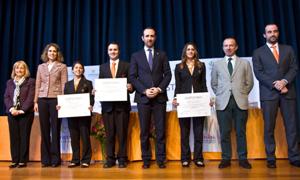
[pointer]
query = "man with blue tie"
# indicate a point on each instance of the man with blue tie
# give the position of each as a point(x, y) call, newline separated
point(150, 75)
point(232, 81)
point(275, 66)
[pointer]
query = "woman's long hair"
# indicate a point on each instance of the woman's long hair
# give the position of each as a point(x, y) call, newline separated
point(44, 55)
point(184, 58)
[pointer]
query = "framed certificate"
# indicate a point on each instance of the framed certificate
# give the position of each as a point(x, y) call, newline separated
point(74, 105)
point(193, 105)
point(111, 89)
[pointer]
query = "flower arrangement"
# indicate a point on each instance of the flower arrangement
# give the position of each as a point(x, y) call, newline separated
point(98, 131)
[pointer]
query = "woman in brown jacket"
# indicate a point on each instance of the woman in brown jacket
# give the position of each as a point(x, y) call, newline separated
point(50, 80)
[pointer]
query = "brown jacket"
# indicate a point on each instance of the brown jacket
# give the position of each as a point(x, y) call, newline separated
point(50, 84)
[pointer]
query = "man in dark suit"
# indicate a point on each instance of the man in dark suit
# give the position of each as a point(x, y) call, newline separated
point(150, 75)
point(232, 81)
point(116, 114)
point(275, 67)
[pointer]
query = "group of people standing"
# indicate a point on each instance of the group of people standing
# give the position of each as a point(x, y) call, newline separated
point(149, 75)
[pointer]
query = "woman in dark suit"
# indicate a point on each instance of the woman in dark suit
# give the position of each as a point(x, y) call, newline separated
point(18, 99)
point(80, 126)
point(50, 81)
point(190, 78)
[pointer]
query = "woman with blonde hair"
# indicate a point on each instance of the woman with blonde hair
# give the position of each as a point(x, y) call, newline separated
point(50, 80)
point(18, 99)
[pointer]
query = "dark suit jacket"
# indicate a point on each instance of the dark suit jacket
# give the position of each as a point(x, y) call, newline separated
point(267, 70)
point(122, 72)
point(143, 78)
point(84, 86)
point(26, 95)
point(184, 80)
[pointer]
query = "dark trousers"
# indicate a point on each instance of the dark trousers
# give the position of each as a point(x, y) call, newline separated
point(185, 126)
point(157, 111)
point(50, 124)
point(116, 125)
point(233, 115)
point(80, 127)
point(288, 111)
point(19, 133)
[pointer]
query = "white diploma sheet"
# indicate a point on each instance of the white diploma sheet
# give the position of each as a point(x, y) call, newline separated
point(193, 105)
point(74, 105)
point(111, 89)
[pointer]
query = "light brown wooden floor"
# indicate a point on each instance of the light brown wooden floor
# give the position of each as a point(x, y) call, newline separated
point(134, 171)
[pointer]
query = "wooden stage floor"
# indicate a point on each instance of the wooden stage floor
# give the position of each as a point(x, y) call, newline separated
point(134, 171)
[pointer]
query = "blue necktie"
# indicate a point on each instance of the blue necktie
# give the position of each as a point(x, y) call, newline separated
point(230, 67)
point(150, 61)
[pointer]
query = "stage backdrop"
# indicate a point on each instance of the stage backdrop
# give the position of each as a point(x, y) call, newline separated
point(83, 29)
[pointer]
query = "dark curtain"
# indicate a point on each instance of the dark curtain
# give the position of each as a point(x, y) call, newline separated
point(83, 28)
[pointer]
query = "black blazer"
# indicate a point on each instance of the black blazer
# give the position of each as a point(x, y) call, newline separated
point(122, 72)
point(26, 95)
point(84, 86)
point(267, 70)
point(142, 77)
point(184, 81)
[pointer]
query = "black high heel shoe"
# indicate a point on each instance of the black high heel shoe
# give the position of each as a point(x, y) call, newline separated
point(13, 165)
point(72, 165)
point(84, 165)
point(22, 165)
point(199, 163)
point(185, 164)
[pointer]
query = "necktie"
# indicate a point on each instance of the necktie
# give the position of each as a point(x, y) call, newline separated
point(229, 65)
point(113, 70)
point(150, 61)
point(275, 53)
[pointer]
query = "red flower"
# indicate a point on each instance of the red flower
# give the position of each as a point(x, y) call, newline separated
point(98, 130)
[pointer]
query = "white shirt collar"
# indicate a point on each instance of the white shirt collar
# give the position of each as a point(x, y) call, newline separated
point(50, 65)
point(232, 57)
point(146, 49)
point(270, 45)
point(116, 61)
